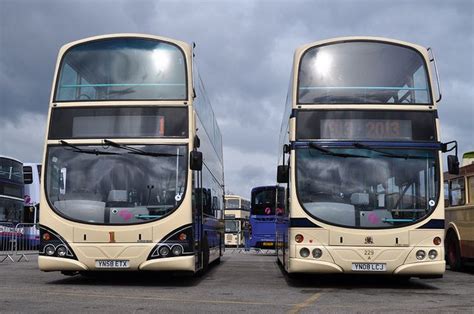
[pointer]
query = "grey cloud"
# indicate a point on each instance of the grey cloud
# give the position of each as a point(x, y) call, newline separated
point(245, 51)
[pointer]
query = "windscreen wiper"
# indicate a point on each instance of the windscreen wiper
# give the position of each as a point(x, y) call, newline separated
point(137, 151)
point(386, 154)
point(327, 151)
point(77, 149)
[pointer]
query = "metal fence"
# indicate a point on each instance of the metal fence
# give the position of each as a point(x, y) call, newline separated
point(19, 241)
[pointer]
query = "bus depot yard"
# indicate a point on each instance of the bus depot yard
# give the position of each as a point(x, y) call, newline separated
point(242, 282)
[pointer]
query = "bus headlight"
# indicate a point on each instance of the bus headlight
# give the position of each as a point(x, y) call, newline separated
point(49, 250)
point(304, 252)
point(432, 254)
point(420, 254)
point(317, 253)
point(177, 250)
point(164, 251)
point(61, 251)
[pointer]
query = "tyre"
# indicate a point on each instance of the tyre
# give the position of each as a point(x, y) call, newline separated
point(453, 252)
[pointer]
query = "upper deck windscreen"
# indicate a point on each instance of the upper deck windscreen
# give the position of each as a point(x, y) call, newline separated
point(122, 69)
point(362, 72)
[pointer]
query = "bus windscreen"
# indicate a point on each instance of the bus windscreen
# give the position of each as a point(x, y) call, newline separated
point(122, 69)
point(263, 202)
point(358, 72)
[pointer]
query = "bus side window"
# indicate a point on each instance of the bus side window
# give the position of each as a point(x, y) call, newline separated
point(446, 193)
point(457, 192)
point(470, 189)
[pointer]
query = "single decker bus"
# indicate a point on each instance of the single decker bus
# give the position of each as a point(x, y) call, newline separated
point(265, 204)
point(459, 202)
point(133, 166)
point(361, 162)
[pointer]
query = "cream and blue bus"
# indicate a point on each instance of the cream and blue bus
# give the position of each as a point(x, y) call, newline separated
point(133, 162)
point(360, 158)
point(236, 214)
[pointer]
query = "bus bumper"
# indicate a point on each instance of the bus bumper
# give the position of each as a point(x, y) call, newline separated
point(420, 269)
point(47, 263)
point(181, 263)
point(312, 266)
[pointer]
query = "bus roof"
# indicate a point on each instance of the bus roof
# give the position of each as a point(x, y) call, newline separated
point(180, 43)
point(11, 158)
point(264, 187)
point(300, 50)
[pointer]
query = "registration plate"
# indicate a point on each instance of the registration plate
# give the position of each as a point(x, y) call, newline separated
point(369, 267)
point(105, 263)
point(267, 243)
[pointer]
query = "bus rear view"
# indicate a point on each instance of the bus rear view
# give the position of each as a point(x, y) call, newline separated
point(263, 211)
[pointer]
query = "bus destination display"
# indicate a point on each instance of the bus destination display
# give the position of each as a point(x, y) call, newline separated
point(366, 129)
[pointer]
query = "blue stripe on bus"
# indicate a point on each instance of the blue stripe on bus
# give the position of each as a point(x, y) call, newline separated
point(429, 145)
point(364, 87)
point(302, 223)
point(433, 224)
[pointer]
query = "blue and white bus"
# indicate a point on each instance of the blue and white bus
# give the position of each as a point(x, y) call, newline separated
point(266, 204)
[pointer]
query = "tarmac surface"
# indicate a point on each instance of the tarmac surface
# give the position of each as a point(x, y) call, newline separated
point(242, 282)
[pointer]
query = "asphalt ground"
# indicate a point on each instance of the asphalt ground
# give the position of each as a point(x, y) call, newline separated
point(242, 282)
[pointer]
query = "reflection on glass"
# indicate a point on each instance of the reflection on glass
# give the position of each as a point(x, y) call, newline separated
point(363, 72)
point(11, 210)
point(122, 69)
point(373, 189)
point(263, 202)
point(11, 170)
point(231, 226)
point(108, 185)
point(232, 203)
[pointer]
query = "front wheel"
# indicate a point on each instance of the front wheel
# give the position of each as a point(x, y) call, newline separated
point(453, 252)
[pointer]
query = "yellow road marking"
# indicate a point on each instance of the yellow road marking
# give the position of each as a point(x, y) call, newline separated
point(298, 307)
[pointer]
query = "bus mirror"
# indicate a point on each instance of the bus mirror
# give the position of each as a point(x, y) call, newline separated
point(283, 174)
point(195, 160)
point(453, 164)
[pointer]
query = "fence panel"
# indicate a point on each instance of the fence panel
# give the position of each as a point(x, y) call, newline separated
point(8, 240)
point(27, 242)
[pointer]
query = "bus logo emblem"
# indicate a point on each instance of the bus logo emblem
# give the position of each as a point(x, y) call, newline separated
point(369, 240)
point(111, 237)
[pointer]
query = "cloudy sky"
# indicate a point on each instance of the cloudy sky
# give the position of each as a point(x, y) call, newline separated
point(245, 50)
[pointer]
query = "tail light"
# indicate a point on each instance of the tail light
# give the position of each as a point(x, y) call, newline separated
point(299, 238)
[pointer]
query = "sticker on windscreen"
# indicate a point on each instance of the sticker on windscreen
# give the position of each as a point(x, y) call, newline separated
point(432, 203)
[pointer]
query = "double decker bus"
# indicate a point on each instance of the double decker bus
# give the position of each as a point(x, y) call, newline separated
point(32, 180)
point(236, 219)
point(361, 161)
point(133, 166)
point(459, 202)
point(11, 190)
point(265, 205)
point(11, 200)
